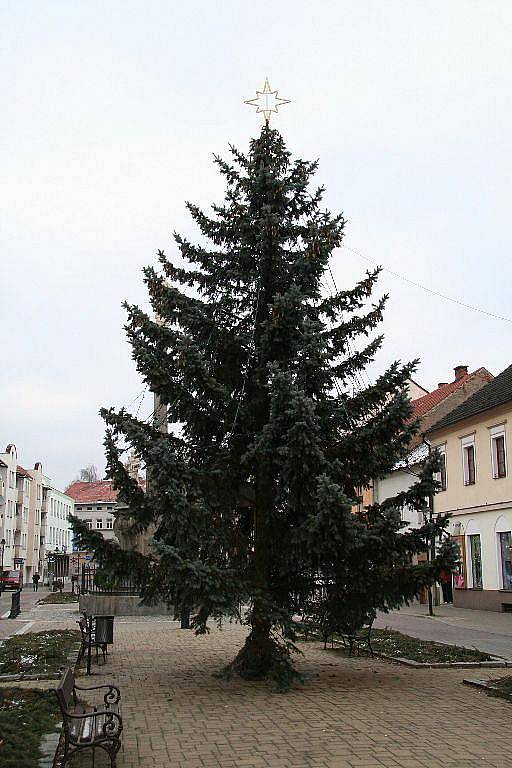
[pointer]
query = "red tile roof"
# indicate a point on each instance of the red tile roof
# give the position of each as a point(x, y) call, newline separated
point(424, 404)
point(22, 472)
point(101, 490)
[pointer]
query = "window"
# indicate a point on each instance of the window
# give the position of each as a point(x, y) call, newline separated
point(498, 452)
point(475, 551)
point(108, 523)
point(441, 475)
point(88, 523)
point(12, 479)
point(99, 523)
point(468, 460)
point(505, 540)
point(79, 509)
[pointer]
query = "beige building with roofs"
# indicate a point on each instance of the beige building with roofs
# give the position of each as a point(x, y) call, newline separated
point(8, 501)
point(475, 443)
point(21, 496)
point(27, 503)
point(428, 408)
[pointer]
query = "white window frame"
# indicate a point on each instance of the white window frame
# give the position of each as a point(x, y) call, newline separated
point(466, 442)
point(469, 560)
point(99, 524)
point(494, 433)
point(502, 525)
point(109, 523)
point(442, 452)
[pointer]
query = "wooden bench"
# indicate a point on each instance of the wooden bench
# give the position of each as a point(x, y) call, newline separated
point(87, 726)
point(354, 638)
point(88, 638)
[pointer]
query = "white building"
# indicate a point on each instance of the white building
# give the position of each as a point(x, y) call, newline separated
point(56, 532)
point(95, 503)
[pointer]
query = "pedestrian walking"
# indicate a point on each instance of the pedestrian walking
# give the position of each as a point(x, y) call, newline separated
point(35, 581)
point(446, 586)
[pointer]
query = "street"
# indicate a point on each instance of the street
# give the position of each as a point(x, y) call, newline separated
point(486, 630)
point(28, 600)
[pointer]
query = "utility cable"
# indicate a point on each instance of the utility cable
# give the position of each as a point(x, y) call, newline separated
point(430, 290)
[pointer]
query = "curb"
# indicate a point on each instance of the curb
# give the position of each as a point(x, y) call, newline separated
point(479, 684)
point(48, 746)
point(495, 663)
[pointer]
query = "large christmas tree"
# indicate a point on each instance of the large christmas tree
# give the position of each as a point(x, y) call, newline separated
point(251, 494)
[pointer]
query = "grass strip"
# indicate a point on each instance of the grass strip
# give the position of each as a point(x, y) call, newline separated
point(399, 646)
point(37, 652)
point(59, 598)
point(25, 716)
point(502, 688)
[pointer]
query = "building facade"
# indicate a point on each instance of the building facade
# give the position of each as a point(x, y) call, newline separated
point(33, 559)
point(8, 502)
point(428, 409)
point(20, 513)
point(475, 441)
point(56, 533)
point(27, 497)
point(95, 503)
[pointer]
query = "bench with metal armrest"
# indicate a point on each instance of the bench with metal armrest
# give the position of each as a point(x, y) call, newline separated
point(87, 726)
point(89, 640)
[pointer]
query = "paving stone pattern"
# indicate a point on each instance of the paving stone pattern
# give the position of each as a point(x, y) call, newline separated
point(357, 713)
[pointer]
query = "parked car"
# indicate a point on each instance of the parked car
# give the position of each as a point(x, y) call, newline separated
point(11, 580)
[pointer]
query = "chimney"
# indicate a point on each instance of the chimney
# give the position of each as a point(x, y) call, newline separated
point(442, 384)
point(460, 371)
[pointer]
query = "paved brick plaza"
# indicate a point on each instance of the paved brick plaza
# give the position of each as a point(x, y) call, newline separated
point(357, 713)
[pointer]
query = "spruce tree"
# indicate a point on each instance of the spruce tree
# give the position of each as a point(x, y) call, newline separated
point(251, 495)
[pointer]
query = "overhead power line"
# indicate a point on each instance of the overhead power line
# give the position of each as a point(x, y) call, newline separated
point(430, 290)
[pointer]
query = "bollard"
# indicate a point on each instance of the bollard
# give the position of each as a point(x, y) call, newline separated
point(15, 604)
point(185, 619)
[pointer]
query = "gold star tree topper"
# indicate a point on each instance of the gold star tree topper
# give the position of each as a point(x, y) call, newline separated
point(267, 101)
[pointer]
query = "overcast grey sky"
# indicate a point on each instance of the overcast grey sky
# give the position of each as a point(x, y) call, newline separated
point(111, 112)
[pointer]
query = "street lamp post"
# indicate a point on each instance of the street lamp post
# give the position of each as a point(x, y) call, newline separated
point(2, 545)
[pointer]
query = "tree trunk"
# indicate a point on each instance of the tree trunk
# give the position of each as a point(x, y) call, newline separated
point(261, 651)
